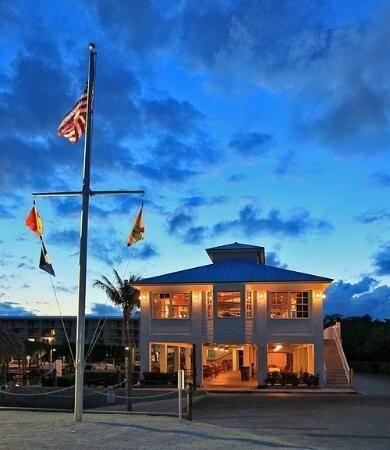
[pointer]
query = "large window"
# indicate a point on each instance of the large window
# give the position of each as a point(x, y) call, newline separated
point(229, 304)
point(171, 306)
point(249, 305)
point(289, 305)
point(209, 305)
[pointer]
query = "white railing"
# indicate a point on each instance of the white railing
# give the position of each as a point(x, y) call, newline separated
point(325, 378)
point(334, 333)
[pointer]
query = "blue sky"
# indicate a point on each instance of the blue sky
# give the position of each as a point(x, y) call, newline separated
point(253, 121)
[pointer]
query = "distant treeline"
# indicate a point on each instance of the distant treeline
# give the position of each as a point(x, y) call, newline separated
point(366, 342)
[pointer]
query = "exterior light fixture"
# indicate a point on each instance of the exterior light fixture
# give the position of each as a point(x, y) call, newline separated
point(127, 348)
point(323, 296)
point(195, 295)
point(142, 297)
point(278, 347)
point(317, 295)
point(261, 295)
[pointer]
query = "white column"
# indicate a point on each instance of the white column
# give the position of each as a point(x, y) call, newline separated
point(262, 364)
point(187, 358)
point(163, 358)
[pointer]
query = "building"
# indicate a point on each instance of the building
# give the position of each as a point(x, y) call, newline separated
point(50, 330)
point(236, 320)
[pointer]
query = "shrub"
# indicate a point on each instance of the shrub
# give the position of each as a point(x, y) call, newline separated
point(272, 378)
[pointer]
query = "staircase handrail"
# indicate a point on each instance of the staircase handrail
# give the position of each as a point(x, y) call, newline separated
point(332, 332)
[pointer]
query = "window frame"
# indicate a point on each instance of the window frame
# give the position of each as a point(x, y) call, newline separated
point(292, 312)
point(249, 304)
point(229, 317)
point(171, 307)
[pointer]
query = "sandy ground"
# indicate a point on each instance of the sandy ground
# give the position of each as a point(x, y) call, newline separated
point(42, 430)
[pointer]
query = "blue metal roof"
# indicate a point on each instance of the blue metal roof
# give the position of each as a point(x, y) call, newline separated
point(232, 271)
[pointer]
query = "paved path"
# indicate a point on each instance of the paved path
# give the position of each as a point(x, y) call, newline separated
point(322, 421)
point(37, 430)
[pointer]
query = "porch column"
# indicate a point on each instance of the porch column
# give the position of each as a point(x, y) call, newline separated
point(199, 363)
point(319, 362)
point(187, 354)
point(261, 364)
point(176, 360)
point(144, 353)
point(163, 358)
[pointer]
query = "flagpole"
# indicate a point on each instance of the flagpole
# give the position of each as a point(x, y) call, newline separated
point(80, 337)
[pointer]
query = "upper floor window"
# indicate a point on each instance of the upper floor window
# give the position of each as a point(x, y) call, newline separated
point(171, 306)
point(229, 304)
point(289, 305)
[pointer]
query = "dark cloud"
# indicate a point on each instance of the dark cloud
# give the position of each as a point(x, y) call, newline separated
point(195, 201)
point(272, 259)
point(355, 299)
point(178, 221)
point(8, 308)
point(195, 235)
point(252, 221)
point(145, 26)
point(145, 251)
point(61, 287)
point(64, 238)
point(251, 143)
point(373, 216)
point(102, 309)
point(382, 260)
point(381, 179)
point(171, 115)
point(237, 178)
point(285, 163)
point(5, 212)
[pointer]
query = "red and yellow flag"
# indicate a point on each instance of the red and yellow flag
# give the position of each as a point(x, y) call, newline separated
point(137, 233)
point(34, 222)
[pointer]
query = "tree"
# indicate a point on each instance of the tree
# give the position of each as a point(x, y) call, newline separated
point(122, 293)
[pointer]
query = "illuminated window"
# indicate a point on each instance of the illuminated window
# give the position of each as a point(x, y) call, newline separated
point(171, 306)
point(289, 305)
point(299, 305)
point(209, 305)
point(249, 305)
point(229, 304)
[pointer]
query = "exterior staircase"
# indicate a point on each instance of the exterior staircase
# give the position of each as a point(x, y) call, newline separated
point(335, 373)
point(338, 375)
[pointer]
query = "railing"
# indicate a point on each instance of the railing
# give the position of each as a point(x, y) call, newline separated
point(333, 332)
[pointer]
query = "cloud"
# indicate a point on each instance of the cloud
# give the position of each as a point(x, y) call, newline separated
point(6, 213)
point(382, 260)
point(355, 299)
point(272, 259)
point(252, 221)
point(381, 179)
point(171, 115)
point(251, 143)
point(102, 309)
point(373, 216)
point(9, 308)
point(145, 251)
point(195, 201)
point(178, 221)
point(195, 235)
point(67, 237)
point(285, 163)
point(237, 178)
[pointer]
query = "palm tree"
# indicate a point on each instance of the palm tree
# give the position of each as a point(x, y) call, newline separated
point(122, 293)
point(10, 346)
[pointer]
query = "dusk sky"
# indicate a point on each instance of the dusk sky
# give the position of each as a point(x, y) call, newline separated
point(262, 122)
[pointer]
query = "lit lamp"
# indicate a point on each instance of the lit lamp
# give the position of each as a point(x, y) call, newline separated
point(317, 295)
point(195, 296)
point(261, 295)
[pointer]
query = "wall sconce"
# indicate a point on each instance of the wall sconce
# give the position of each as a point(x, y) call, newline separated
point(142, 297)
point(195, 296)
point(317, 295)
point(261, 295)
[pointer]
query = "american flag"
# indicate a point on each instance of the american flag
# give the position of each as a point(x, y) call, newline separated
point(73, 125)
